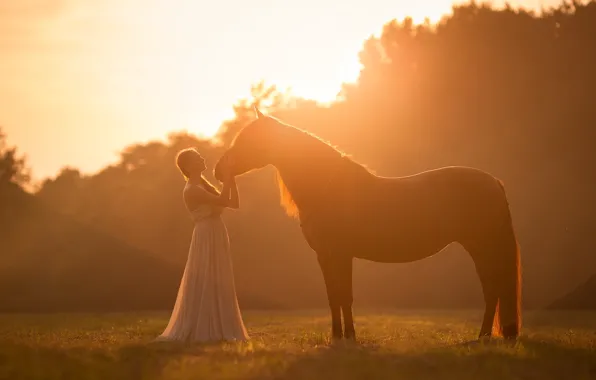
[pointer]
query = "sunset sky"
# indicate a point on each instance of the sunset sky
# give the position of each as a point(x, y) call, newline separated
point(81, 79)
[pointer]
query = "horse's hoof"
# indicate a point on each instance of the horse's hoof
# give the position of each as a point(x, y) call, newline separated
point(510, 332)
point(350, 335)
point(511, 340)
point(335, 341)
point(336, 336)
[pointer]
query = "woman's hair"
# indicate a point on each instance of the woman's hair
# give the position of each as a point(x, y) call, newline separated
point(183, 158)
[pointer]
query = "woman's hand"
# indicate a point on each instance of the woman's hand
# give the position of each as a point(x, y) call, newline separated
point(227, 174)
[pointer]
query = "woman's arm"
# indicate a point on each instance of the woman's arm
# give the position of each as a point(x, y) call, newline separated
point(195, 195)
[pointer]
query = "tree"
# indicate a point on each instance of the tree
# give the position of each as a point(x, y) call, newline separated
point(13, 168)
point(265, 97)
point(502, 90)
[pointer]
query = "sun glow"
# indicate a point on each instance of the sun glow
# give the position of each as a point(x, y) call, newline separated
point(122, 71)
point(187, 64)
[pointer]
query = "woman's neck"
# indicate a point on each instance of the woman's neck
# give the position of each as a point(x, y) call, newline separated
point(196, 179)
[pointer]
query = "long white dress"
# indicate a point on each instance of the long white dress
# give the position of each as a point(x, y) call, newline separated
point(206, 307)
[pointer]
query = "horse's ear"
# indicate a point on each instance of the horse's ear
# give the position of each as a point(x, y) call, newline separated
point(259, 113)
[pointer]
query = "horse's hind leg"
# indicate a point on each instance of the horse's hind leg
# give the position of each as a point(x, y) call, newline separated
point(491, 299)
point(491, 296)
point(499, 268)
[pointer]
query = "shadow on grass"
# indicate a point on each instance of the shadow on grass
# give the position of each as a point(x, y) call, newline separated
point(530, 359)
point(471, 360)
point(134, 361)
point(574, 319)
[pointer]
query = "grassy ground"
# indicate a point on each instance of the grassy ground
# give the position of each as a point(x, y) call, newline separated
point(391, 345)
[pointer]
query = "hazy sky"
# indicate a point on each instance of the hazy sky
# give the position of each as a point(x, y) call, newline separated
point(81, 79)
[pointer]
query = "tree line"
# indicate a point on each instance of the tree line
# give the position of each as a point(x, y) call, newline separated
point(505, 90)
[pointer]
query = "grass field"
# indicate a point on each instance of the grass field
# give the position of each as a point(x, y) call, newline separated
point(391, 345)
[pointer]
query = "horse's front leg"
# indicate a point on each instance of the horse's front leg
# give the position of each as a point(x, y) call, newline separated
point(344, 268)
point(333, 294)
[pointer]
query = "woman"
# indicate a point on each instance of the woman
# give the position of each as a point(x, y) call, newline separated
point(206, 307)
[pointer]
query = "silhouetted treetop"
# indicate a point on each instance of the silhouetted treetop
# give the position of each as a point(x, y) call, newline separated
point(13, 166)
point(508, 91)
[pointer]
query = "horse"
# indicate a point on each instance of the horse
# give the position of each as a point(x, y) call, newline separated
point(346, 212)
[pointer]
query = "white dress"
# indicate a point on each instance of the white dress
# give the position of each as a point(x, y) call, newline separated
point(206, 307)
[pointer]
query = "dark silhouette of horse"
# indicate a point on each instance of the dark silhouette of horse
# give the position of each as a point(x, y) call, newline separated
point(346, 211)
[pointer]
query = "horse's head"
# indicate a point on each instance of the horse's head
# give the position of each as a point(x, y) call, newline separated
point(252, 148)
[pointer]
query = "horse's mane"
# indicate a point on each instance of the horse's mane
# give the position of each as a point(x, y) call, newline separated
point(310, 140)
point(285, 198)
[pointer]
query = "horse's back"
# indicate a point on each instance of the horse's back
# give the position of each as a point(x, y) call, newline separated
point(444, 185)
point(444, 175)
point(408, 218)
point(458, 193)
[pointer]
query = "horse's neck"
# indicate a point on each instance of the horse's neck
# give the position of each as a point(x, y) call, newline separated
point(306, 181)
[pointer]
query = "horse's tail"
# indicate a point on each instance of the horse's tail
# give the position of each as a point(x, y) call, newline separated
point(508, 315)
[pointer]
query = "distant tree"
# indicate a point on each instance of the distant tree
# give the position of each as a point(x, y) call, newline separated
point(506, 91)
point(13, 167)
point(266, 97)
point(63, 190)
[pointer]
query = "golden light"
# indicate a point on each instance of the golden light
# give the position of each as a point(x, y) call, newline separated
point(187, 64)
point(123, 71)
